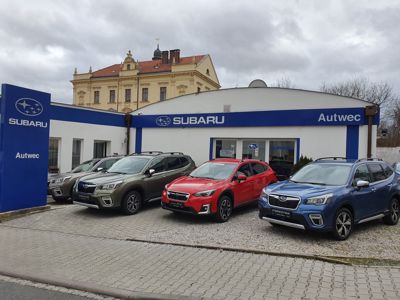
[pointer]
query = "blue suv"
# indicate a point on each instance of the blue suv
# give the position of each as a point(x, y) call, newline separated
point(333, 194)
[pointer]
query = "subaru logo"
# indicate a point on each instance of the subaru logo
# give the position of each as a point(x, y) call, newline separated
point(282, 198)
point(163, 121)
point(29, 107)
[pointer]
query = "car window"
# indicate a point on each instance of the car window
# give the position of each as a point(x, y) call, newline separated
point(106, 164)
point(388, 170)
point(361, 173)
point(377, 172)
point(246, 170)
point(158, 164)
point(129, 165)
point(173, 163)
point(184, 161)
point(258, 168)
point(85, 166)
point(214, 170)
point(323, 174)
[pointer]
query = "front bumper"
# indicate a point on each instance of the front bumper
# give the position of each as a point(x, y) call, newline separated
point(193, 205)
point(304, 217)
point(101, 201)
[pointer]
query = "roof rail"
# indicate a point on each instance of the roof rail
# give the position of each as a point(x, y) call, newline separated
point(331, 158)
point(148, 153)
point(179, 153)
point(369, 159)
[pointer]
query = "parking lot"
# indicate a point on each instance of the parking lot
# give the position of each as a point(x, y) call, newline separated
point(244, 231)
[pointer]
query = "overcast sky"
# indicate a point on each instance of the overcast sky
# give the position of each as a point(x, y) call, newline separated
point(307, 41)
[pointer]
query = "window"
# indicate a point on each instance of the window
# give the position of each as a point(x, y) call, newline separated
point(76, 152)
point(163, 93)
point(198, 89)
point(184, 161)
point(208, 72)
point(127, 95)
point(173, 163)
point(106, 164)
point(112, 96)
point(96, 97)
point(145, 94)
point(253, 149)
point(100, 149)
point(246, 170)
point(158, 164)
point(128, 66)
point(53, 155)
point(388, 171)
point(361, 173)
point(225, 148)
point(258, 168)
point(377, 172)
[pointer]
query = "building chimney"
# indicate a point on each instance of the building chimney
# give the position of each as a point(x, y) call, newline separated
point(175, 55)
point(164, 57)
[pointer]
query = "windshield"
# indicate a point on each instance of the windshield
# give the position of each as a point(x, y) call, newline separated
point(85, 166)
point(323, 174)
point(129, 165)
point(214, 170)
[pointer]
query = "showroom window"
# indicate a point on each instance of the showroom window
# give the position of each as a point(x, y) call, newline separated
point(100, 149)
point(254, 149)
point(54, 148)
point(76, 152)
point(225, 148)
point(281, 157)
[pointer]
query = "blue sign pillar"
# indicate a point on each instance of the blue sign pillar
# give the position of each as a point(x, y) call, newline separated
point(24, 144)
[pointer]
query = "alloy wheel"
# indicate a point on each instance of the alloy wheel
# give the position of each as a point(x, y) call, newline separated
point(133, 203)
point(343, 224)
point(394, 212)
point(225, 209)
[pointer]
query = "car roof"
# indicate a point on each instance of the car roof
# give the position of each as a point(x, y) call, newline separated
point(343, 160)
point(234, 160)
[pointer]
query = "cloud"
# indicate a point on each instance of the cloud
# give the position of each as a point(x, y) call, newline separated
point(310, 42)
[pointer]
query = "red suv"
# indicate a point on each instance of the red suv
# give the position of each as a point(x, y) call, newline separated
point(217, 186)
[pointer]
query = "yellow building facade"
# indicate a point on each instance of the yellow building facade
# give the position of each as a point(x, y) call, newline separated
point(132, 84)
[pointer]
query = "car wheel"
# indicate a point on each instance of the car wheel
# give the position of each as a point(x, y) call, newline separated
point(394, 211)
point(224, 209)
point(131, 203)
point(59, 199)
point(343, 224)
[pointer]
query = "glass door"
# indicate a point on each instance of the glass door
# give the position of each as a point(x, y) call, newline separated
point(254, 149)
point(225, 149)
point(281, 157)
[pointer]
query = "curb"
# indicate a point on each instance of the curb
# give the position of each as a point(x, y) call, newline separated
point(93, 288)
point(5, 216)
point(348, 261)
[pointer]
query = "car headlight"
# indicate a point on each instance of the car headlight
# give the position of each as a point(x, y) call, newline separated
point(62, 179)
point(204, 193)
point(319, 200)
point(109, 186)
point(165, 187)
point(264, 194)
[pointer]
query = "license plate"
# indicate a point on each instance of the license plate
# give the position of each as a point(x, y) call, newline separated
point(176, 204)
point(281, 213)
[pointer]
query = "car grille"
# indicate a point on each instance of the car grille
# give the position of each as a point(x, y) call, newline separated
point(283, 201)
point(177, 195)
point(85, 187)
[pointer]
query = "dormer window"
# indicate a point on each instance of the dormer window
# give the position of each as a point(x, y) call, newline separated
point(128, 66)
point(208, 72)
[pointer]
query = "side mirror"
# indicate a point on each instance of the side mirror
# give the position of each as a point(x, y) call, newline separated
point(100, 169)
point(362, 183)
point(241, 178)
point(150, 172)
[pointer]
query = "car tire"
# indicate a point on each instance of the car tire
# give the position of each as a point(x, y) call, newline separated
point(343, 224)
point(394, 211)
point(132, 203)
point(224, 209)
point(59, 199)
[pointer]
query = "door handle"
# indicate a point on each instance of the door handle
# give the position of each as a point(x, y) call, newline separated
point(373, 189)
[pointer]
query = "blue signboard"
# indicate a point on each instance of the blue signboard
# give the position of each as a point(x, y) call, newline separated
point(24, 140)
point(301, 117)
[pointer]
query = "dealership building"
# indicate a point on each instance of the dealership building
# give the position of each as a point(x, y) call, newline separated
point(270, 124)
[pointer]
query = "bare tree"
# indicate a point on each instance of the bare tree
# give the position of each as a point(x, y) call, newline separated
point(284, 82)
point(380, 93)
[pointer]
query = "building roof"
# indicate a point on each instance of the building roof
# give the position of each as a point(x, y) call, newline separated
point(151, 66)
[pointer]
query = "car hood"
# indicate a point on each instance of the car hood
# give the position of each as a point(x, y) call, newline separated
point(53, 178)
point(192, 185)
point(107, 178)
point(303, 190)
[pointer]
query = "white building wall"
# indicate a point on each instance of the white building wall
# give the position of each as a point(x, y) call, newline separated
point(67, 131)
point(314, 141)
